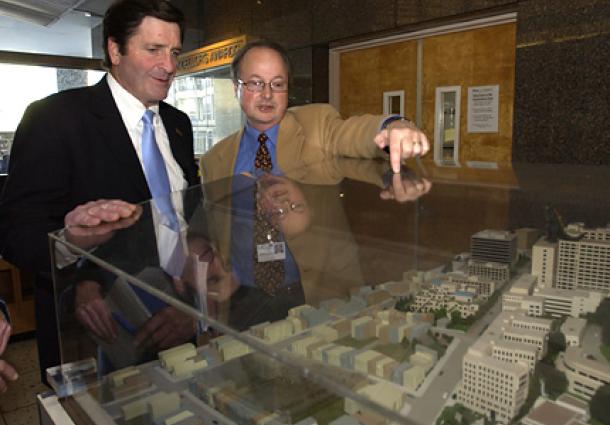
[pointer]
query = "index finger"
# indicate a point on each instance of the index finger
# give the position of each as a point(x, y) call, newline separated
point(399, 190)
point(395, 150)
point(425, 144)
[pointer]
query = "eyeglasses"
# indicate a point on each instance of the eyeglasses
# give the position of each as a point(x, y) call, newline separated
point(258, 86)
point(288, 207)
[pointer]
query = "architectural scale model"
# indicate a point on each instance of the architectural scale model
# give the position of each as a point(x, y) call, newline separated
point(470, 334)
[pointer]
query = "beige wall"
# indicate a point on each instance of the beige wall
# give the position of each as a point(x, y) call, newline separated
point(367, 73)
point(484, 56)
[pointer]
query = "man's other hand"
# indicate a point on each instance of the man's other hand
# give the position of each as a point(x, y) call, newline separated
point(166, 329)
point(7, 372)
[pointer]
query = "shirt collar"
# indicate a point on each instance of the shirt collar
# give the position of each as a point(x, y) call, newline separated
point(253, 133)
point(130, 108)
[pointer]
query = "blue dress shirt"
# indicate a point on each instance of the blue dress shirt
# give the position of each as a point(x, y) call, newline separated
point(248, 147)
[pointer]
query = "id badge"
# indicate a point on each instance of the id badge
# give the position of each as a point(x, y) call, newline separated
point(271, 251)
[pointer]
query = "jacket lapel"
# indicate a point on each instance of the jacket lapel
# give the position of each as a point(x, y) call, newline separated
point(225, 155)
point(180, 142)
point(290, 145)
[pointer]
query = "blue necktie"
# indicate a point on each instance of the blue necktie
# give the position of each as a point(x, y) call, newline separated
point(155, 171)
point(158, 183)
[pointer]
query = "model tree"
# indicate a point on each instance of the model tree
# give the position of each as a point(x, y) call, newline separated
point(599, 404)
point(602, 318)
point(555, 381)
point(557, 343)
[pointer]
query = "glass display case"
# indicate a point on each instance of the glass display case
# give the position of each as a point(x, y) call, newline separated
point(369, 298)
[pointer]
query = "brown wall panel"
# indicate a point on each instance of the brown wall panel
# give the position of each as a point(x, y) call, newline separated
point(478, 57)
point(367, 73)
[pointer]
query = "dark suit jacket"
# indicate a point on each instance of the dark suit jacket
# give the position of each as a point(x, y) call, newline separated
point(71, 148)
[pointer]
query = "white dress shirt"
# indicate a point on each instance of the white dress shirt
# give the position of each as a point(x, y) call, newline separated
point(132, 110)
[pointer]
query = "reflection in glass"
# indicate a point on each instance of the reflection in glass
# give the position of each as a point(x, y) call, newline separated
point(371, 337)
point(209, 100)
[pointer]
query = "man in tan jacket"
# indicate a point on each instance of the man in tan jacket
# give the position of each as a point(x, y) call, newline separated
point(302, 143)
point(299, 135)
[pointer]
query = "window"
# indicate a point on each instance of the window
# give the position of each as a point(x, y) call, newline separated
point(20, 85)
point(394, 103)
point(208, 98)
point(447, 126)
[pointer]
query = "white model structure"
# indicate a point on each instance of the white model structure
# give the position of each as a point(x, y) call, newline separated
point(230, 348)
point(276, 331)
point(552, 413)
point(480, 286)
point(569, 302)
point(585, 374)
point(382, 393)
point(156, 405)
point(573, 329)
point(127, 381)
point(499, 272)
point(497, 246)
point(538, 301)
point(584, 263)
point(532, 331)
point(526, 237)
point(182, 361)
point(519, 296)
point(496, 367)
point(513, 352)
point(453, 292)
point(423, 357)
point(544, 262)
point(492, 387)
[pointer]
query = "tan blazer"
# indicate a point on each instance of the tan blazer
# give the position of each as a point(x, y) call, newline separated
point(307, 135)
point(312, 143)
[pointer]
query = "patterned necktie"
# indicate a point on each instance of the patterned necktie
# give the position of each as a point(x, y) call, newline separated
point(268, 275)
point(263, 159)
point(172, 258)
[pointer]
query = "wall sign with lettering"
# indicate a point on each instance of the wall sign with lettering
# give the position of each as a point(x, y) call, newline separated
point(483, 109)
point(210, 56)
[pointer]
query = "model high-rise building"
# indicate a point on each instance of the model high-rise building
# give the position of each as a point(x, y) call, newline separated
point(496, 368)
point(498, 272)
point(492, 254)
point(492, 386)
point(584, 262)
point(498, 246)
point(544, 260)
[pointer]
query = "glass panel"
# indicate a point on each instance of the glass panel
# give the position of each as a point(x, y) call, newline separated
point(209, 100)
point(378, 312)
point(21, 85)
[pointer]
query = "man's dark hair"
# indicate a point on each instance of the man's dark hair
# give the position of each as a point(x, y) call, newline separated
point(267, 44)
point(123, 18)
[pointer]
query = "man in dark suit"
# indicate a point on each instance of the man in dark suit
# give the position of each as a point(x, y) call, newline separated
point(77, 157)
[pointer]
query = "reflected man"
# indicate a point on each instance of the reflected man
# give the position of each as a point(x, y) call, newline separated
point(304, 134)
